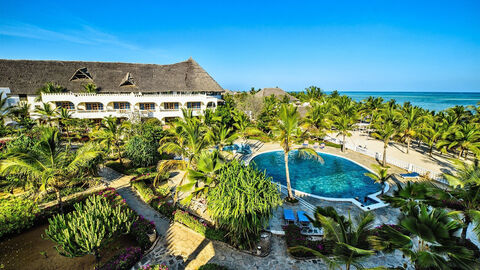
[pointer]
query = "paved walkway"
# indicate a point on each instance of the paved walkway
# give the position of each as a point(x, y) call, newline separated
point(182, 248)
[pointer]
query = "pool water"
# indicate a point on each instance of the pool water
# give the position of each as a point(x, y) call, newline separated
point(336, 178)
point(239, 148)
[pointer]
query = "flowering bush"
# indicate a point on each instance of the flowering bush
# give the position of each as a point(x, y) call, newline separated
point(154, 267)
point(124, 260)
point(294, 238)
point(163, 205)
point(140, 230)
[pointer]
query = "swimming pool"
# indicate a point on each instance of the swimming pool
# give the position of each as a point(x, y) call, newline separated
point(239, 148)
point(336, 178)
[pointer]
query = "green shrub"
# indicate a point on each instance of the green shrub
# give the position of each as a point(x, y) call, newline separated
point(154, 267)
point(145, 192)
point(162, 205)
point(190, 221)
point(16, 214)
point(87, 229)
point(142, 151)
point(215, 234)
point(140, 230)
point(163, 190)
point(331, 144)
point(212, 266)
point(64, 192)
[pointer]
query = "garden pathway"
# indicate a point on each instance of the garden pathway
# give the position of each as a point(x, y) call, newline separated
point(182, 248)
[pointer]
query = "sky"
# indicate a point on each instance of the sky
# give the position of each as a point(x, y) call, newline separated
point(336, 45)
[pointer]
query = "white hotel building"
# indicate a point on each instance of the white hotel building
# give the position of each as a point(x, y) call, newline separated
point(125, 90)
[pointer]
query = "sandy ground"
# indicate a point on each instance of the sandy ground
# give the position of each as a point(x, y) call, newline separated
point(417, 156)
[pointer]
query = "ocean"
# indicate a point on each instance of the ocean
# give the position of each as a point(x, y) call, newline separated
point(435, 101)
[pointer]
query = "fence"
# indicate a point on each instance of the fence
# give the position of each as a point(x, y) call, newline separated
point(401, 164)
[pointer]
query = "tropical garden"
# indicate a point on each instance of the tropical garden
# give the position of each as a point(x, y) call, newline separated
point(52, 191)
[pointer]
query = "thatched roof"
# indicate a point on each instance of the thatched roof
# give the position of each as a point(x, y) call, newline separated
point(27, 76)
point(277, 92)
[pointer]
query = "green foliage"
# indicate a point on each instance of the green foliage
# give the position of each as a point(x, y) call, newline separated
point(89, 227)
point(212, 266)
point(142, 151)
point(154, 267)
point(16, 214)
point(294, 238)
point(242, 202)
point(202, 228)
point(141, 228)
point(117, 166)
point(145, 192)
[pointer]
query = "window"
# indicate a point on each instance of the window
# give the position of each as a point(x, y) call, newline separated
point(170, 105)
point(121, 105)
point(94, 106)
point(147, 106)
point(22, 97)
point(65, 104)
point(81, 74)
point(194, 105)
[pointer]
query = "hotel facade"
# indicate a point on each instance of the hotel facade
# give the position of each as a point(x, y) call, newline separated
point(124, 90)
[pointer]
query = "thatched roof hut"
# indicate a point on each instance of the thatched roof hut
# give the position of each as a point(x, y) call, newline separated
point(26, 76)
point(277, 92)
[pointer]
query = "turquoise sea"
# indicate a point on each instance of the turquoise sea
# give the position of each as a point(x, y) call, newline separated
point(436, 101)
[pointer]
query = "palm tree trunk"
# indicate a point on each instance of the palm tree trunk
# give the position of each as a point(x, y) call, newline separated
point(119, 154)
point(384, 162)
point(408, 145)
point(460, 152)
point(431, 150)
point(466, 221)
point(59, 199)
point(343, 144)
point(287, 173)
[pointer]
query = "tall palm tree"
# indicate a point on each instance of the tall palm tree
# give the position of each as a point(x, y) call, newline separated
point(90, 88)
point(287, 130)
point(185, 139)
point(411, 117)
point(219, 135)
point(371, 107)
point(318, 118)
point(21, 114)
point(431, 133)
point(50, 164)
point(47, 112)
point(381, 176)
point(426, 236)
point(385, 132)
point(4, 108)
point(111, 134)
point(350, 237)
point(344, 123)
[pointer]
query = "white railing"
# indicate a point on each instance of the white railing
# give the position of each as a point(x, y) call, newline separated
point(401, 164)
point(128, 95)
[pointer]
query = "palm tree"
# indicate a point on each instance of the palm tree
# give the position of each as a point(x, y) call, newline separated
point(220, 135)
point(204, 176)
point(466, 195)
point(344, 123)
point(90, 88)
point(111, 133)
point(286, 130)
point(318, 118)
point(385, 132)
point(371, 107)
point(431, 133)
point(64, 117)
point(49, 163)
point(427, 236)
point(185, 139)
point(21, 114)
point(47, 112)
point(350, 241)
point(312, 94)
point(49, 87)
point(243, 126)
point(411, 117)
point(381, 176)
point(4, 108)
point(464, 137)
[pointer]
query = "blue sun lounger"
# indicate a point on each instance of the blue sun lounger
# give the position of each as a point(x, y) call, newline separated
point(289, 216)
point(410, 175)
point(302, 218)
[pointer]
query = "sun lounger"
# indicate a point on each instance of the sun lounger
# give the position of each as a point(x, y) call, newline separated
point(302, 218)
point(322, 145)
point(289, 216)
point(305, 144)
point(410, 175)
point(315, 145)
